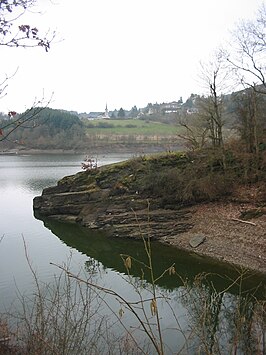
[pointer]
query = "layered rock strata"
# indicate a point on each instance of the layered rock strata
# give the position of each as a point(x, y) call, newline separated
point(108, 198)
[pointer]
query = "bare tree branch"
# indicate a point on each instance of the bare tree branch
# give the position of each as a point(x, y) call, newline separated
point(248, 52)
point(21, 119)
point(20, 35)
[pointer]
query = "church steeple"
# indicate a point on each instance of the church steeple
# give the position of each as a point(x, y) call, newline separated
point(106, 113)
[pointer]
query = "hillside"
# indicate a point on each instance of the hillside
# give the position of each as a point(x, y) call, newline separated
point(163, 127)
point(43, 128)
point(47, 129)
point(133, 132)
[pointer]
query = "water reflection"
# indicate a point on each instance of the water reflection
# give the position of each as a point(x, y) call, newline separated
point(207, 309)
point(107, 251)
point(225, 323)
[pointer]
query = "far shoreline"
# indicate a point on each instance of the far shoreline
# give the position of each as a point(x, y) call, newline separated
point(117, 148)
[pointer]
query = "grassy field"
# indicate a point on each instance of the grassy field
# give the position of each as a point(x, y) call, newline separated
point(130, 127)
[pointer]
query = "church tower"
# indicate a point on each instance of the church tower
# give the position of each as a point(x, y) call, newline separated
point(106, 113)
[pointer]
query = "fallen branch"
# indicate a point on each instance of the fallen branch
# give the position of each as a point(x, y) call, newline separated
point(241, 220)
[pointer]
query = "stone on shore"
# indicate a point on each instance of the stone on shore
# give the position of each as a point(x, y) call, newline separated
point(197, 240)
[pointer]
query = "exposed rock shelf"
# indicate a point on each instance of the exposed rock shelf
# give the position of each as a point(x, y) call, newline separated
point(108, 198)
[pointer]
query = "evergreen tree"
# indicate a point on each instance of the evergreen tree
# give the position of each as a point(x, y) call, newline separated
point(121, 113)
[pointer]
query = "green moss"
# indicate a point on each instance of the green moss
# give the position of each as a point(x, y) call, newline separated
point(173, 178)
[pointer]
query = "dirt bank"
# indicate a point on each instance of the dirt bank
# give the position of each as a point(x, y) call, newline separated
point(227, 236)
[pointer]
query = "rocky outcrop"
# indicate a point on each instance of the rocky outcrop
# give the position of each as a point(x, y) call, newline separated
point(134, 199)
point(109, 198)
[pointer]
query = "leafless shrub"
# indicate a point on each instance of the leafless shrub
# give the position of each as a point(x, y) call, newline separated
point(90, 163)
point(223, 322)
point(66, 317)
point(62, 318)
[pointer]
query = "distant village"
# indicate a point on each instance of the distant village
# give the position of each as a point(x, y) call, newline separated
point(165, 108)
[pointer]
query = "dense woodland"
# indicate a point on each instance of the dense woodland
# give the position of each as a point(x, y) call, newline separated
point(44, 128)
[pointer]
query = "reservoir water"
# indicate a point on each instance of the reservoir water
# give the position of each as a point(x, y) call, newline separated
point(27, 241)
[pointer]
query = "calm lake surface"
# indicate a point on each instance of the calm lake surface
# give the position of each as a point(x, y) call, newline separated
point(21, 179)
point(24, 177)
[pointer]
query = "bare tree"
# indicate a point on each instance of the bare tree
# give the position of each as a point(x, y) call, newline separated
point(249, 116)
point(195, 131)
point(15, 34)
point(248, 51)
point(214, 76)
point(246, 59)
point(206, 124)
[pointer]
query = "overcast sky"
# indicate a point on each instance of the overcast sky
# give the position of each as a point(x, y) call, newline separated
point(119, 52)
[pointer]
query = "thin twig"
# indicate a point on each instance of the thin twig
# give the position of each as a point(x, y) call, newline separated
point(242, 221)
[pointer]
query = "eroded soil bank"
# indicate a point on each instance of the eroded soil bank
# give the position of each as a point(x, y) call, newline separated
point(227, 237)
